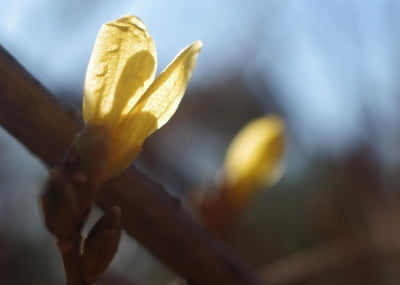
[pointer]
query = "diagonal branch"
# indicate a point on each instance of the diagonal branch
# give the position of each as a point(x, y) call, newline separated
point(34, 117)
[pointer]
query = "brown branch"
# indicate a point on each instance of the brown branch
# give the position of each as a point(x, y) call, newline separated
point(35, 118)
point(70, 252)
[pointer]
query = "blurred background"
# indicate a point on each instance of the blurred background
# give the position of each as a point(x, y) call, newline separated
point(329, 68)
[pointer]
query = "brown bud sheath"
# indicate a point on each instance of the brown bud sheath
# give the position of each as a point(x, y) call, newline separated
point(101, 244)
point(60, 205)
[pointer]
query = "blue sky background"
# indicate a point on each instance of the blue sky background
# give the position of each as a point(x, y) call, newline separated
point(333, 64)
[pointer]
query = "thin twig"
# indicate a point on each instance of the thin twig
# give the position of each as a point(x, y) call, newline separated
point(34, 117)
point(71, 258)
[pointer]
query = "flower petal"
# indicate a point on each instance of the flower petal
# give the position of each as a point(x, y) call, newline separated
point(122, 66)
point(164, 95)
point(154, 109)
point(126, 141)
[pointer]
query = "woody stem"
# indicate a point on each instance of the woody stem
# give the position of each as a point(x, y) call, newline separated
point(70, 251)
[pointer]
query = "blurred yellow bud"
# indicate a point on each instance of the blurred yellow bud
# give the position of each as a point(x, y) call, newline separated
point(122, 99)
point(253, 158)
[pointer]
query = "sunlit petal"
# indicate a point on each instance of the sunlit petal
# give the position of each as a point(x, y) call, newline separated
point(121, 67)
point(154, 109)
point(164, 95)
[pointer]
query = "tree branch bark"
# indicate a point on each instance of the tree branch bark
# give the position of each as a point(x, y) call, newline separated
point(35, 118)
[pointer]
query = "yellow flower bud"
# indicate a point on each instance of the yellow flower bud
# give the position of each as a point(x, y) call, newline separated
point(253, 158)
point(252, 161)
point(121, 97)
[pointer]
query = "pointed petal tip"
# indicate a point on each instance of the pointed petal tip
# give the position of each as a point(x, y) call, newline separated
point(197, 45)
